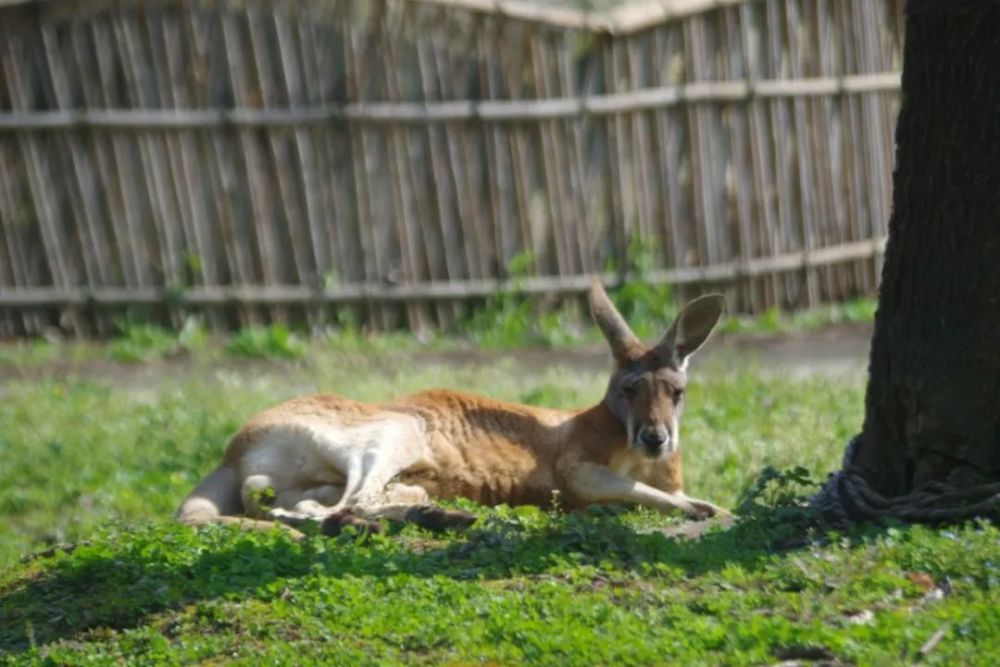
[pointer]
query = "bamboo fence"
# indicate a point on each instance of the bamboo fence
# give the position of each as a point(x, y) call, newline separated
point(262, 161)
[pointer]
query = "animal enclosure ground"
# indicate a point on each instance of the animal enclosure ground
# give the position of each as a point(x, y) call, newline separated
point(107, 461)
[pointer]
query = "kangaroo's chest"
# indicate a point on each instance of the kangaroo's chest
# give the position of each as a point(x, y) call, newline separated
point(663, 473)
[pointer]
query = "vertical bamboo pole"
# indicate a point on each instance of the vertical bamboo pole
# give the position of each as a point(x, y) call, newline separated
point(46, 208)
point(640, 141)
point(150, 31)
point(584, 205)
point(363, 160)
point(668, 138)
point(760, 147)
point(860, 178)
point(117, 243)
point(782, 149)
point(203, 33)
point(188, 162)
point(197, 260)
point(827, 132)
point(314, 88)
point(105, 196)
point(402, 190)
point(77, 174)
point(551, 171)
point(738, 176)
point(295, 93)
point(151, 150)
point(706, 218)
point(624, 150)
point(501, 187)
point(450, 133)
point(879, 122)
point(621, 216)
point(473, 158)
point(429, 244)
point(385, 225)
point(443, 186)
point(813, 65)
point(129, 181)
point(471, 150)
point(720, 151)
point(849, 180)
point(302, 181)
point(191, 154)
point(511, 73)
point(277, 165)
point(16, 222)
point(11, 259)
point(257, 182)
point(804, 159)
point(330, 140)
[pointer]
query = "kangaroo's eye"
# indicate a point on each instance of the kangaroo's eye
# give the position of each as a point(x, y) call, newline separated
point(629, 390)
point(678, 395)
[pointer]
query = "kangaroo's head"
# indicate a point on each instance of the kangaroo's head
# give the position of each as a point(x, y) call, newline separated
point(646, 391)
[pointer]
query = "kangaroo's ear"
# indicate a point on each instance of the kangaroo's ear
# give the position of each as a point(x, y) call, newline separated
point(624, 345)
point(691, 328)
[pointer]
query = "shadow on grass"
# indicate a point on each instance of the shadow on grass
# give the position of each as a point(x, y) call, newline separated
point(151, 569)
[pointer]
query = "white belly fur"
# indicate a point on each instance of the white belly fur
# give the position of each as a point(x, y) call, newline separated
point(362, 457)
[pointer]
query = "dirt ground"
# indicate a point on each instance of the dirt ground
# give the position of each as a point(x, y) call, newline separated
point(836, 351)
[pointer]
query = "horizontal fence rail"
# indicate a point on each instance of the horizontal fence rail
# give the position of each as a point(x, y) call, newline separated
point(258, 161)
point(429, 112)
point(433, 291)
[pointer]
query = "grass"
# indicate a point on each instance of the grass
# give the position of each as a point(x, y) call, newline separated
point(87, 460)
point(504, 322)
point(79, 452)
point(275, 341)
point(523, 587)
point(856, 311)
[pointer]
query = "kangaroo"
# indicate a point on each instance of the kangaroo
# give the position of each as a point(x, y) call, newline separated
point(341, 462)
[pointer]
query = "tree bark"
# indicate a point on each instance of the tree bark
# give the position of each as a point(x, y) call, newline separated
point(932, 411)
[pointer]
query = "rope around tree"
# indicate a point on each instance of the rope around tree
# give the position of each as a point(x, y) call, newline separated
point(847, 498)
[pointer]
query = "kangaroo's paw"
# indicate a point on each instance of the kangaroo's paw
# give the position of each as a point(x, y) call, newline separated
point(439, 520)
point(702, 509)
point(334, 523)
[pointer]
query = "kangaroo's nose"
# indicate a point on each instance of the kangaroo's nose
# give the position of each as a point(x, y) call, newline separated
point(654, 436)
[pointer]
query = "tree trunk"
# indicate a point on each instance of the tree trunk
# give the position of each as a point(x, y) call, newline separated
point(932, 412)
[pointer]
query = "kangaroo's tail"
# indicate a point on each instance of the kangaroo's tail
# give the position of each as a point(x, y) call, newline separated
point(217, 500)
point(217, 496)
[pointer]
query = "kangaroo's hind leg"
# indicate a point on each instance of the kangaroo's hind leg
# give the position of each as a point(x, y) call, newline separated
point(385, 448)
point(319, 506)
point(371, 456)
